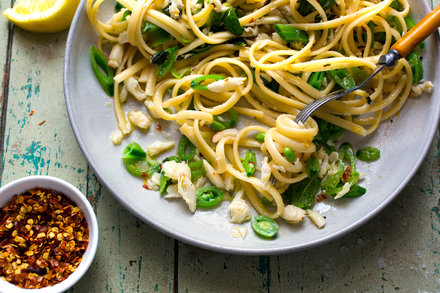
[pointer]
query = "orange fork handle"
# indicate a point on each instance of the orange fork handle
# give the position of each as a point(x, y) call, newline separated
point(418, 33)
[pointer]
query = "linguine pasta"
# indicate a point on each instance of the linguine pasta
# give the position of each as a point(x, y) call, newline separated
point(263, 77)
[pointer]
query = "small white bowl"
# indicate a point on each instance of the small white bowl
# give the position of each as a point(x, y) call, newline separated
point(56, 184)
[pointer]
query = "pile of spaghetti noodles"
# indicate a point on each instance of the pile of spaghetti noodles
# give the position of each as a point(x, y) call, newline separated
point(193, 61)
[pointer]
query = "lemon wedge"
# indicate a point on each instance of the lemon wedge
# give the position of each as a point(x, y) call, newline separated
point(43, 16)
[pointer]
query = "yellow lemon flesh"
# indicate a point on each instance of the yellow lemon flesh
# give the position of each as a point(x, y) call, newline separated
point(43, 16)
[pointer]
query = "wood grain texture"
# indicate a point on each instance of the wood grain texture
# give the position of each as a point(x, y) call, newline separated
point(397, 251)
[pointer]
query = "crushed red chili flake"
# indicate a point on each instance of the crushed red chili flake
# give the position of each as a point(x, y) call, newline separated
point(347, 173)
point(158, 127)
point(43, 236)
point(42, 122)
point(31, 112)
point(320, 197)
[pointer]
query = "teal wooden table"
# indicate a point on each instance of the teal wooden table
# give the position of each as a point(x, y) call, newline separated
point(399, 250)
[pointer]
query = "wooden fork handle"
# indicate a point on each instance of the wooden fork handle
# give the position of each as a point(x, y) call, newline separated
point(418, 33)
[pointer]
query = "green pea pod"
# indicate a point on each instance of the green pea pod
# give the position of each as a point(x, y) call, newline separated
point(291, 34)
point(133, 151)
point(290, 155)
point(346, 151)
point(316, 79)
point(368, 154)
point(312, 167)
point(208, 196)
point(164, 60)
point(250, 163)
point(260, 137)
point(231, 21)
point(164, 183)
point(220, 123)
point(265, 226)
point(414, 61)
point(355, 191)
point(105, 79)
point(342, 77)
point(181, 149)
point(195, 83)
point(410, 23)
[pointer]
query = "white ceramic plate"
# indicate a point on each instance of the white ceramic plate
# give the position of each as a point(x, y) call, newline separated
point(403, 144)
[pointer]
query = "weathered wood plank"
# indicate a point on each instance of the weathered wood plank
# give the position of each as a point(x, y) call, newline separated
point(201, 270)
point(38, 137)
point(397, 250)
point(132, 257)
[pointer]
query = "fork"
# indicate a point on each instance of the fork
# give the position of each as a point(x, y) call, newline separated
point(399, 50)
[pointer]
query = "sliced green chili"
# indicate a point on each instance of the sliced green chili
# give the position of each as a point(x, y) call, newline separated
point(291, 34)
point(342, 77)
point(316, 79)
point(164, 183)
point(181, 149)
point(260, 137)
point(172, 158)
point(312, 167)
point(368, 154)
point(265, 226)
point(133, 151)
point(164, 60)
point(231, 21)
point(414, 61)
point(105, 79)
point(208, 196)
point(290, 155)
point(195, 83)
point(144, 167)
point(250, 163)
point(220, 123)
point(197, 169)
point(179, 76)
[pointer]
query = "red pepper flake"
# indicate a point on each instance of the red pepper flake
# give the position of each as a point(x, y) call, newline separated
point(42, 122)
point(146, 187)
point(158, 127)
point(320, 197)
point(251, 20)
point(347, 173)
point(31, 112)
point(43, 238)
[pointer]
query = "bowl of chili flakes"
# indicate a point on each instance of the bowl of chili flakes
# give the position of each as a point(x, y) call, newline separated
point(48, 235)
